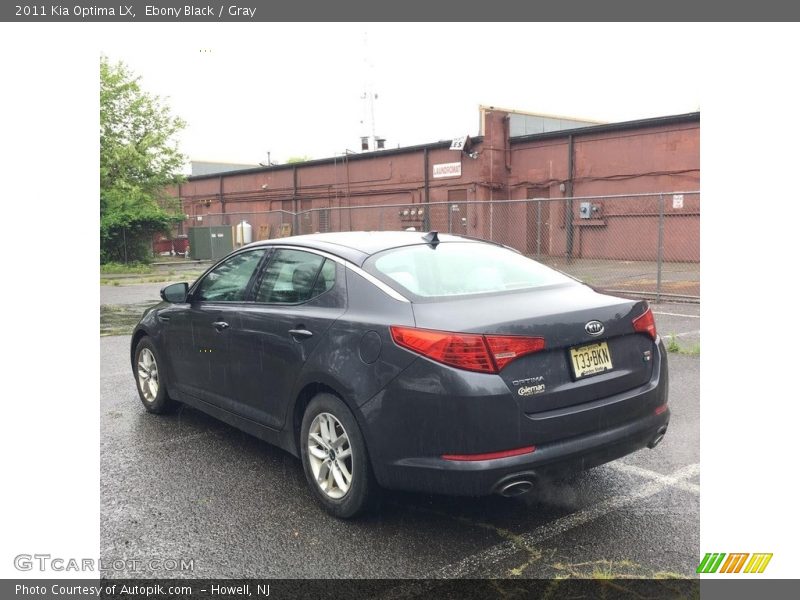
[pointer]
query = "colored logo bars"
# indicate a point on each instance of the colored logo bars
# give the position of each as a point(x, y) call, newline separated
point(713, 563)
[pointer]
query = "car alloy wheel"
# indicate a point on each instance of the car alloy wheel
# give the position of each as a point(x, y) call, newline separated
point(147, 370)
point(330, 455)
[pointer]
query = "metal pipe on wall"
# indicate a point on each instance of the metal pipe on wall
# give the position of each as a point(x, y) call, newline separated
point(507, 141)
point(426, 220)
point(295, 225)
point(222, 198)
point(569, 189)
point(660, 250)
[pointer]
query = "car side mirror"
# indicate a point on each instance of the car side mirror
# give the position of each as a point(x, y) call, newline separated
point(175, 293)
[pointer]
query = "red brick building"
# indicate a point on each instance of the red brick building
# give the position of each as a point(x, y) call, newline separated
point(644, 156)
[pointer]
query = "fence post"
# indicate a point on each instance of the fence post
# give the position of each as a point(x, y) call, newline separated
point(660, 258)
point(449, 217)
point(125, 245)
point(570, 190)
point(569, 224)
point(538, 228)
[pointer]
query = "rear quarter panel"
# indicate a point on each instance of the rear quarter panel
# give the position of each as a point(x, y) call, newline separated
point(357, 358)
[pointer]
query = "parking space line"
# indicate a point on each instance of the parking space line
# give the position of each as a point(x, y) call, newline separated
point(695, 332)
point(687, 486)
point(676, 315)
point(481, 562)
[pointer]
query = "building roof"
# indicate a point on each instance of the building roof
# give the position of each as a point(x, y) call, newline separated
point(693, 117)
point(527, 113)
point(215, 167)
point(588, 130)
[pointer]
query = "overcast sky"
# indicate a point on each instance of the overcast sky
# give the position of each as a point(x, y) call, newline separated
point(296, 89)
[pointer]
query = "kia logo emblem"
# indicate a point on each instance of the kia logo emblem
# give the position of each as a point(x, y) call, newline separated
point(594, 328)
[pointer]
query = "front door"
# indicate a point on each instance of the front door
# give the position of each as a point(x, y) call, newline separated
point(199, 334)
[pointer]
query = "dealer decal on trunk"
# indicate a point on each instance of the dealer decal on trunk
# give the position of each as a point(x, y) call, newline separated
point(530, 386)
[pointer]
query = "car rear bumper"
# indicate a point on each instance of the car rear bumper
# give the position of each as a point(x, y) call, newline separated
point(430, 411)
point(483, 477)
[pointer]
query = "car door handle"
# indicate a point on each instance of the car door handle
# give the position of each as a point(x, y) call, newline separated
point(220, 325)
point(300, 334)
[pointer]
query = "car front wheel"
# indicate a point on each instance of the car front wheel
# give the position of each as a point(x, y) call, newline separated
point(335, 457)
point(149, 378)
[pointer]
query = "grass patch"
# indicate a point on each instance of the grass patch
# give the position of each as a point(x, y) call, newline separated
point(674, 347)
point(113, 268)
point(155, 276)
point(611, 570)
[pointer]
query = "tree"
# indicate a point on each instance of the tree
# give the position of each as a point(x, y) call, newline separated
point(298, 159)
point(139, 159)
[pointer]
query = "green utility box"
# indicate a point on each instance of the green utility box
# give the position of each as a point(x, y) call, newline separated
point(210, 243)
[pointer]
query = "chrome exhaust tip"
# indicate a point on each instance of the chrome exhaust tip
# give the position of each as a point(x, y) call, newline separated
point(515, 488)
point(659, 436)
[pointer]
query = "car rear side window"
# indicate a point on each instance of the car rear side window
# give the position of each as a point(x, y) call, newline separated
point(459, 269)
point(228, 281)
point(294, 276)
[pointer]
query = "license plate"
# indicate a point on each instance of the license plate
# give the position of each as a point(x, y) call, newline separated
point(591, 359)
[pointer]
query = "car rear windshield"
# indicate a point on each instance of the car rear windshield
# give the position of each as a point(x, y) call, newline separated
point(460, 269)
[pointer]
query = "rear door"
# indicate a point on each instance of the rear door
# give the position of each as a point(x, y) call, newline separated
point(296, 298)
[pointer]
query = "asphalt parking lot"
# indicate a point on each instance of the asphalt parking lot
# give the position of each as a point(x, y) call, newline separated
point(188, 486)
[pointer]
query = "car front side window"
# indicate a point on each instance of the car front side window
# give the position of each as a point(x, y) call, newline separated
point(228, 281)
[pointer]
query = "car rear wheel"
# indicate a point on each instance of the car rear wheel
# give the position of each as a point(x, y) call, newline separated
point(335, 458)
point(149, 378)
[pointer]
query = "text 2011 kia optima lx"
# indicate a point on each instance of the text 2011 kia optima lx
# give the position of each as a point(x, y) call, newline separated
point(408, 361)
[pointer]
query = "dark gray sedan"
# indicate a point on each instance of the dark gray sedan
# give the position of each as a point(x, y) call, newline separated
point(408, 361)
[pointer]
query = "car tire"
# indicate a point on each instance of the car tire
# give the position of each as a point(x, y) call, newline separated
point(332, 447)
point(149, 373)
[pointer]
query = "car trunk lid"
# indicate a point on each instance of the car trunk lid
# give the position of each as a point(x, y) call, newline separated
point(612, 359)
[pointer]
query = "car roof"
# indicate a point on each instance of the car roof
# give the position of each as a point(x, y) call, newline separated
point(357, 246)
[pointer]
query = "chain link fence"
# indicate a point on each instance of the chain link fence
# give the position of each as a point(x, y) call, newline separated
point(266, 225)
point(644, 245)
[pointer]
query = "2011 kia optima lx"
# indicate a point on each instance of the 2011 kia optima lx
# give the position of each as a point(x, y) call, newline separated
point(419, 362)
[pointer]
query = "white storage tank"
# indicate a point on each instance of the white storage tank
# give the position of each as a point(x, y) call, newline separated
point(244, 233)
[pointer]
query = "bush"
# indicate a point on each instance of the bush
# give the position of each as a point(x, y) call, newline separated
point(126, 236)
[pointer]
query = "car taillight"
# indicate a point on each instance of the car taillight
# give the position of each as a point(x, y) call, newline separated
point(645, 323)
point(469, 351)
point(505, 348)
